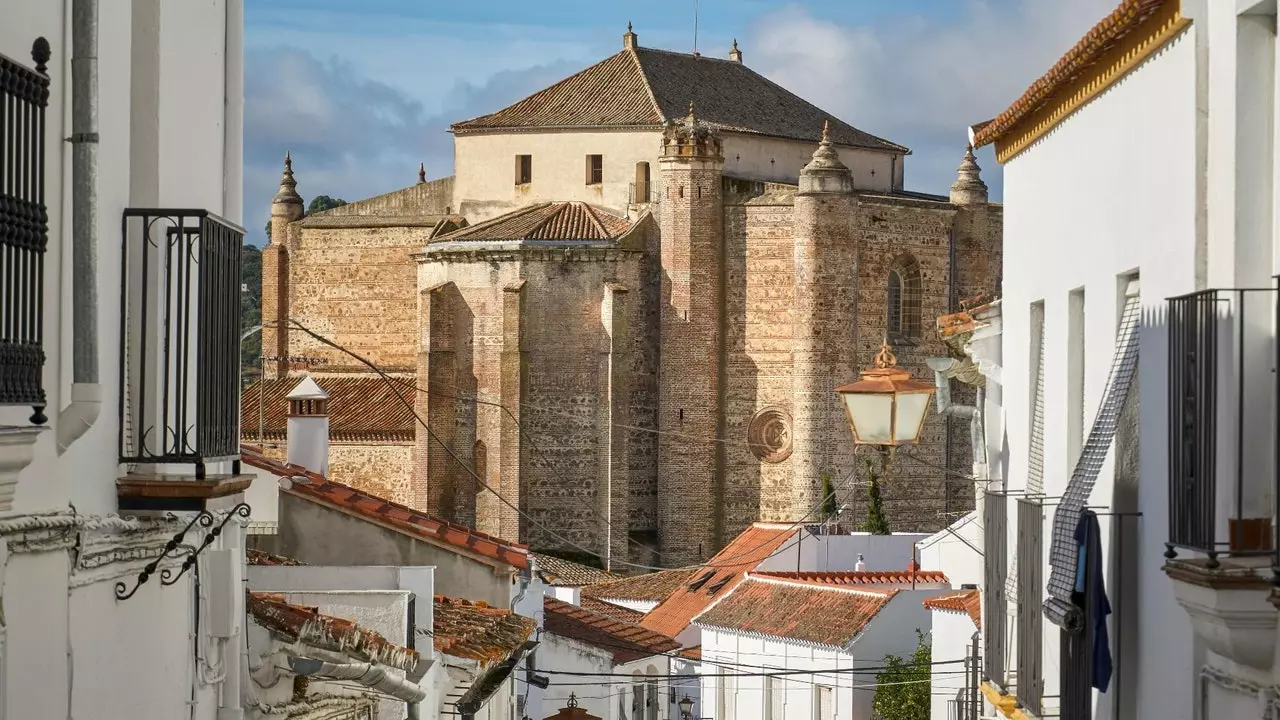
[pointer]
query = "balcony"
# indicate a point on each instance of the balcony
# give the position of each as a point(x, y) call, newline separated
point(639, 193)
point(994, 601)
point(179, 348)
point(1222, 549)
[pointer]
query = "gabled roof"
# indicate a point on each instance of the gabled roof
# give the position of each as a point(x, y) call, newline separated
point(566, 573)
point(627, 641)
point(608, 609)
point(478, 631)
point(822, 615)
point(718, 577)
point(415, 524)
point(644, 87)
point(650, 587)
point(856, 578)
point(968, 602)
point(297, 623)
point(550, 221)
point(360, 409)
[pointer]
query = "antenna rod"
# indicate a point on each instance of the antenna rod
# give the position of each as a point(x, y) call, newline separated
point(695, 27)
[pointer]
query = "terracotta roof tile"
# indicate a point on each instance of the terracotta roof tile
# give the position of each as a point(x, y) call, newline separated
point(564, 221)
point(257, 557)
point(823, 615)
point(627, 641)
point(718, 577)
point(297, 623)
point(411, 522)
point(478, 631)
point(965, 601)
point(565, 573)
point(646, 87)
point(650, 587)
point(360, 408)
point(854, 577)
point(693, 653)
point(617, 612)
point(1123, 20)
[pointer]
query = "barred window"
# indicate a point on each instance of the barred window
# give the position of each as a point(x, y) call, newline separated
point(903, 304)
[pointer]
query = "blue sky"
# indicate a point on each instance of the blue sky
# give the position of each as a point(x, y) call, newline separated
point(363, 92)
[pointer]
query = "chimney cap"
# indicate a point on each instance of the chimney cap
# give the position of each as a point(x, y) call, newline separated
point(307, 390)
point(969, 586)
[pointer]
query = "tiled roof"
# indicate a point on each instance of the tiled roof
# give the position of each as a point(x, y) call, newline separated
point(650, 587)
point(360, 408)
point(257, 557)
point(478, 631)
point(824, 615)
point(617, 612)
point(854, 577)
point(965, 601)
point(645, 87)
point(566, 573)
point(1123, 20)
point(254, 457)
point(627, 641)
point(297, 623)
point(545, 221)
point(718, 577)
point(693, 653)
point(413, 523)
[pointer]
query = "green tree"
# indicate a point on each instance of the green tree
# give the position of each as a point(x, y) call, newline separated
point(829, 509)
point(903, 687)
point(877, 523)
point(320, 203)
point(250, 310)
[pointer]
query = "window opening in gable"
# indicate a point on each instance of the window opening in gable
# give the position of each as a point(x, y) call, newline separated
point(595, 169)
point(702, 580)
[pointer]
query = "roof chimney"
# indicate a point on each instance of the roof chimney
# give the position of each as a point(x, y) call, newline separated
point(308, 427)
point(735, 54)
point(629, 39)
point(861, 565)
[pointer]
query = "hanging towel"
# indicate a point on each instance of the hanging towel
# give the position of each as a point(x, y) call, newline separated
point(1091, 593)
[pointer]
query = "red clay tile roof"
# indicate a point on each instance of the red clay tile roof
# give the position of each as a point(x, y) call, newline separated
point(360, 409)
point(853, 577)
point(617, 612)
point(566, 573)
point(1123, 20)
point(566, 221)
point(478, 631)
point(722, 572)
point(824, 615)
point(257, 557)
point(254, 457)
point(297, 623)
point(646, 87)
point(627, 641)
point(413, 523)
point(693, 653)
point(650, 587)
point(965, 601)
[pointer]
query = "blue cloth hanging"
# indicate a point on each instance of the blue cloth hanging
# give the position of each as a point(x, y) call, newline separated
point(1089, 576)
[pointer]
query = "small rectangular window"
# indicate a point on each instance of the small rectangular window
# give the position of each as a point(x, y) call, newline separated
point(595, 169)
point(524, 169)
point(824, 703)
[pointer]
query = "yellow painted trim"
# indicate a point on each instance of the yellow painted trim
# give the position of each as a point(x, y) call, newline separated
point(1005, 704)
point(1141, 43)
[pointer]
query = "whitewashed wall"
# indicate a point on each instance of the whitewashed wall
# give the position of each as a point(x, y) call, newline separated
point(952, 637)
point(1110, 191)
point(808, 552)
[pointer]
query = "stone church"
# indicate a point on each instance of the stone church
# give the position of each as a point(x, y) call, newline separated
point(627, 312)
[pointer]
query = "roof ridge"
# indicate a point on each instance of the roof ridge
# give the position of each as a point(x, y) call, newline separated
point(518, 212)
point(595, 221)
point(648, 86)
point(556, 210)
point(753, 577)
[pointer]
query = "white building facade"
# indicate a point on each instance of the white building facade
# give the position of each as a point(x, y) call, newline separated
point(143, 110)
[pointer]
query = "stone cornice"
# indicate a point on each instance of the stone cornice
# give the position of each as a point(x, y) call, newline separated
point(524, 251)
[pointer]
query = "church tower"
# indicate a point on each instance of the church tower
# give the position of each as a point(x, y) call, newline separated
point(691, 367)
point(823, 312)
point(285, 208)
point(975, 229)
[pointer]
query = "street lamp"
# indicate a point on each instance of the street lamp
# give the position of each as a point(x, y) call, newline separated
point(886, 408)
point(686, 708)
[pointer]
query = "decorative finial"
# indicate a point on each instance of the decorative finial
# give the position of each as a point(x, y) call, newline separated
point(288, 161)
point(628, 26)
point(288, 185)
point(885, 359)
point(735, 43)
point(573, 700)
point(422, 172)
point(691, 116)
point(41, 52)
point(826, 131)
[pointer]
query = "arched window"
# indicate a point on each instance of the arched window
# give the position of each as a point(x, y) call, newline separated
point(903, 301)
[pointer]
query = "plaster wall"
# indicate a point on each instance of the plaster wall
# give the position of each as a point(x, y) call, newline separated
point(1072, 225)
point(959, 557)
point(755, 157)
point(840, 552)
point(952, 637)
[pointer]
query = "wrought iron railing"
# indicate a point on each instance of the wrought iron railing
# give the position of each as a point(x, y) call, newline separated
point(1222, 432)
point(24, 229)
point(1030, 685)
point(640, 193)
point(995, 606)
point(180, 338)
point(1076, 660)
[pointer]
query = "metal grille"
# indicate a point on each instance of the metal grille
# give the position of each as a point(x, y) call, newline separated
point(1035, 450)
point(1063, 551)
point(904, 291)
point(24, 230)
point(1076, 665)
point(180, 338)
point(1030, 591)
point(995, 602)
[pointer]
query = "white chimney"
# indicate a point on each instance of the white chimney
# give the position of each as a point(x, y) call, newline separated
point(861, 564)
point(308, 429)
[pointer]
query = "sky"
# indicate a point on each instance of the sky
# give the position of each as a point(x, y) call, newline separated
point(361, 93)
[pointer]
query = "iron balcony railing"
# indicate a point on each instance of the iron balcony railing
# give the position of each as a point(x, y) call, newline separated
point(180, 338)
point(995, 571)
point(1030, 685)
point(1222, 431)
point(640, 193)
point(24, 229)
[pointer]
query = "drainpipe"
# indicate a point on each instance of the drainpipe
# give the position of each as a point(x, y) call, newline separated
point(86, 393)
point(940, 367)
